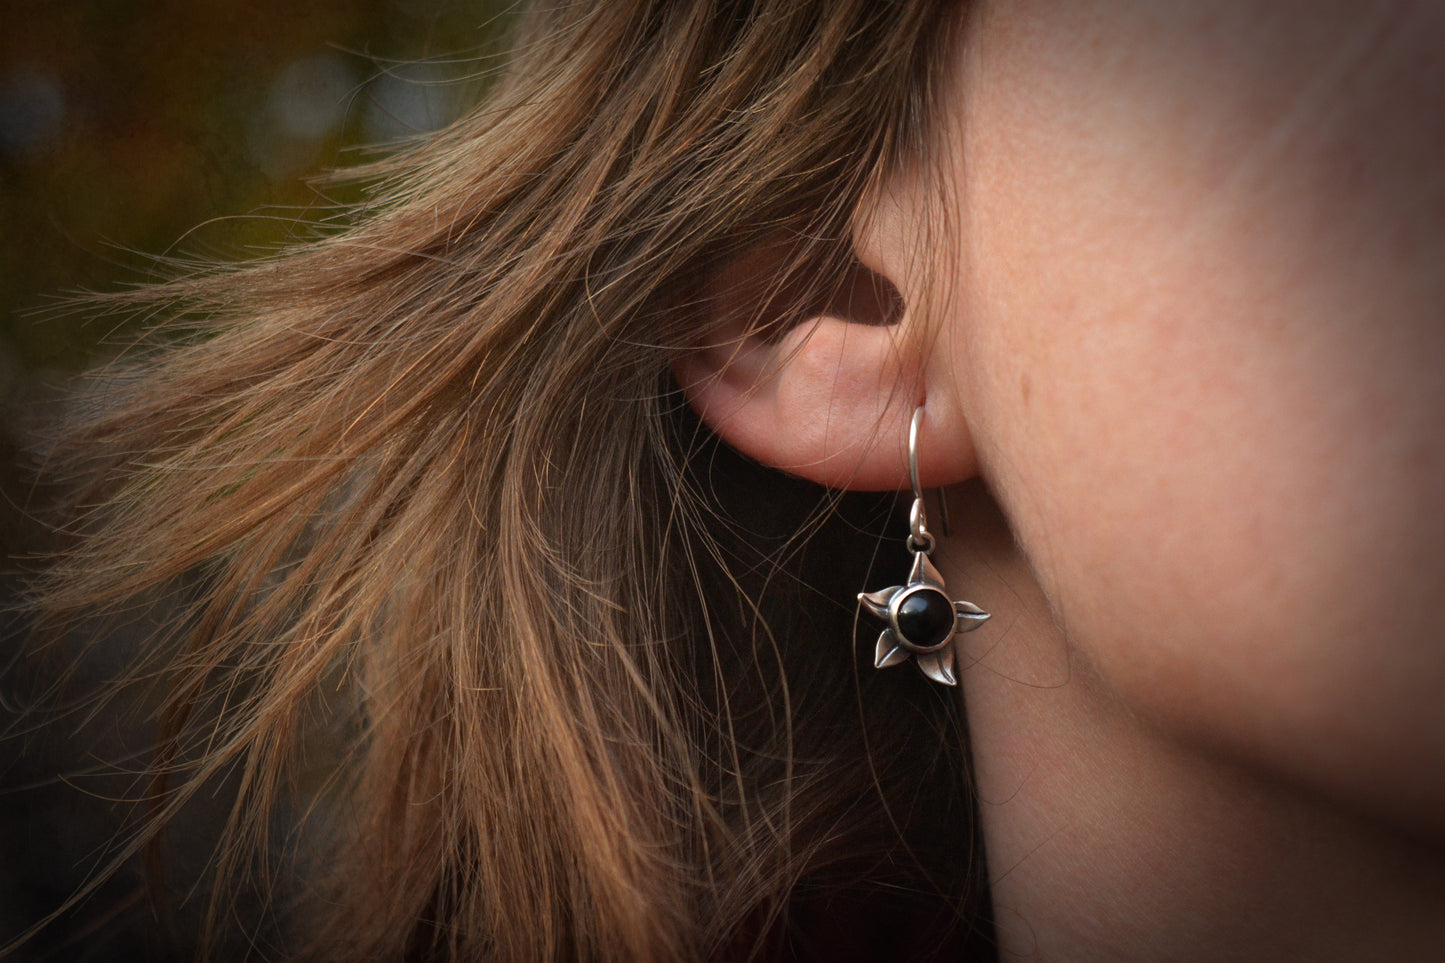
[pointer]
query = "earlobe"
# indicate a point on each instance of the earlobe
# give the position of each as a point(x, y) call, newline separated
point(830, 401)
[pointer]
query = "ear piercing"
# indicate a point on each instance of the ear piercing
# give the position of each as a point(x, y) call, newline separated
point(922, 622)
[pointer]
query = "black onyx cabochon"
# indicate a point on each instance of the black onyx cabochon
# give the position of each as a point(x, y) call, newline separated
point(925, 618)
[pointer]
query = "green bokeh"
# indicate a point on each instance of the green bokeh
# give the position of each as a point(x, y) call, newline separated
point(136, 130)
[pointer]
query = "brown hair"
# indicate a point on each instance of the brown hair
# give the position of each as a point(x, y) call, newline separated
point(427, 479)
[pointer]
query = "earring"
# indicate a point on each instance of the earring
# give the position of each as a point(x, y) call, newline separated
point(922, 622)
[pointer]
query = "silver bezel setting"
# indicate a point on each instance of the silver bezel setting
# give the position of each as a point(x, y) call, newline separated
point(908, 592)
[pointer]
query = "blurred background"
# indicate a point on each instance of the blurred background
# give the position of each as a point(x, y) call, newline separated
point(134, 128)
point(131, 130)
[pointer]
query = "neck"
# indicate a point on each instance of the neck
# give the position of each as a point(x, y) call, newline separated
point(1110, 839)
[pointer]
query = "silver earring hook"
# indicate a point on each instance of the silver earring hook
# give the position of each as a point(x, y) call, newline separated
point(913, 451)
point(919, 538)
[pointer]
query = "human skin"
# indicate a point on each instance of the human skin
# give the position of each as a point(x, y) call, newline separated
point(1193, 324)
point(1173, 294)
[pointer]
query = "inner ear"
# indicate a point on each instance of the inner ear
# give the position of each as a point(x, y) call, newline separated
point(863, 296)
point(788, 280)
point(860, 295)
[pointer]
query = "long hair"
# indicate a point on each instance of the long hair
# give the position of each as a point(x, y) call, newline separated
point(425, 482)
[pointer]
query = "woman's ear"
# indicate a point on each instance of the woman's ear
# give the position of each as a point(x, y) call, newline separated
point(830, 399)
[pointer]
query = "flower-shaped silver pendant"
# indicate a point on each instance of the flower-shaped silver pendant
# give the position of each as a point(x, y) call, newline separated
point(922, 622)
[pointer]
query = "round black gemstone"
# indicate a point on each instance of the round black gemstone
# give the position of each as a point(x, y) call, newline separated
point(925, 618)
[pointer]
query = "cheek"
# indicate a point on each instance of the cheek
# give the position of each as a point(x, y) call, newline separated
point(1235, 522)
point(1173, 486)
point(1204, 384)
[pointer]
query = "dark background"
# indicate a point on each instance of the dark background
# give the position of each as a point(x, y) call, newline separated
point(129, 132)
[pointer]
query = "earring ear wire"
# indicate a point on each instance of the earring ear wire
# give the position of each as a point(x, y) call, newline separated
point(921, 621)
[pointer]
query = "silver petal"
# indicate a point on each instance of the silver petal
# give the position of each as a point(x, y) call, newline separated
point(970, 616)
point(924, 573)
point(938, 666)
point(877, 602)
point(888, 653)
